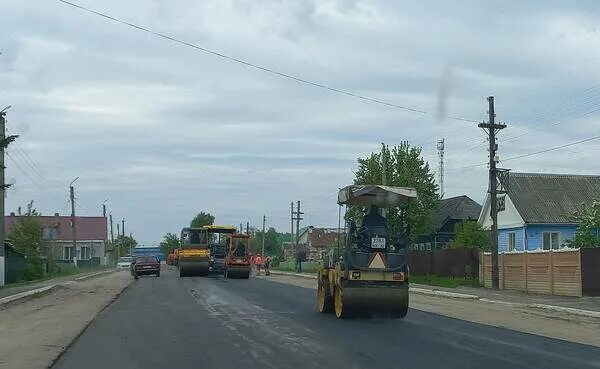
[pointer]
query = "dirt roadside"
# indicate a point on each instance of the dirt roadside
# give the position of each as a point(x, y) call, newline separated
point(506, 315)
point(37, 329)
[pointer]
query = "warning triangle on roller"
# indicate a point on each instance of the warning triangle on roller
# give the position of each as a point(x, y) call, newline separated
point(377, 261)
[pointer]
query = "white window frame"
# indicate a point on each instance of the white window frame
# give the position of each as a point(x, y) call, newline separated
point(71, 253)
point(513, 236)
point(550, 233)
point(88, 253)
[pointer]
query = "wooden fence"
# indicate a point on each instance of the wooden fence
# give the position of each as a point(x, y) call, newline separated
point(551, 272)
point(461, 262)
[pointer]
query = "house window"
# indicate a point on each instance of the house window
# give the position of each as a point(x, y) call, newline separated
point(512, 241)
point(68, 253)
point(551, 240)
point(85, 252)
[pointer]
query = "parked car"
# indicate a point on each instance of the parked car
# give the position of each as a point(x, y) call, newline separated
point(145, 265)
point(124, 263)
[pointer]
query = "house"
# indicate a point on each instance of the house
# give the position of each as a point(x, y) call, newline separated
point(91, 236)
point(452, 211)
point(536, 212)
point(318, 240)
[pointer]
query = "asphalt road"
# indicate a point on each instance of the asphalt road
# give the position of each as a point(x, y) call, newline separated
point(200, 322)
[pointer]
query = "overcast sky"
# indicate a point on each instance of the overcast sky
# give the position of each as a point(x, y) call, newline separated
point(164, 131)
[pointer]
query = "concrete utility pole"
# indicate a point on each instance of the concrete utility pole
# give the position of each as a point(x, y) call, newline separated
point(73, 227)
point(491, 129)
point(383, 175)
point(4, 141)
point(441, 147)
point(263, 235)
point(112, 236)
point(297, 217)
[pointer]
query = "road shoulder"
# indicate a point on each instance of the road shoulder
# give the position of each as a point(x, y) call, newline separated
point(37, 330)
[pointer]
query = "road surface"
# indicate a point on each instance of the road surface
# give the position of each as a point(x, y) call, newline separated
point(200, 322)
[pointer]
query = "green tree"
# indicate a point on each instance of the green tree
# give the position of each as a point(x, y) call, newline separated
point(26, 238)
point(26, 235)
point(588, 228)
point(169, 243)
point(202, 219)
point(405, 167)
point(470, 234)
point(272, 242)
point(125, 244)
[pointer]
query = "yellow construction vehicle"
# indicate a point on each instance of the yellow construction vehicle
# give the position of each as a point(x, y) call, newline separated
point(194, 254)
point(368, 274)
point(237, 258)
point(216, 237)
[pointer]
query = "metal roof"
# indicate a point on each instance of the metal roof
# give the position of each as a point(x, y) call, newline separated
point(381, 196)
point(458, 207)
point(551, 198)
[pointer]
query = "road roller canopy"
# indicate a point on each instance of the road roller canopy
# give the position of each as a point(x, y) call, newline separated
point(378, 195)
point(219, 229)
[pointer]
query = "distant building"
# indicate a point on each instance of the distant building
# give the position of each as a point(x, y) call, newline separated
point(149, 251)
point(317, 240)
point(452, 211)
point(536, 214)
point(91, 237)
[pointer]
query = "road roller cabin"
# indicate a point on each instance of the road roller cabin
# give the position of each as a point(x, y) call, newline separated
point(368, 274)
point(237, 260)
point(194, 254)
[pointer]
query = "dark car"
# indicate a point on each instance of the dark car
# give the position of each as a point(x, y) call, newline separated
point(145, 265)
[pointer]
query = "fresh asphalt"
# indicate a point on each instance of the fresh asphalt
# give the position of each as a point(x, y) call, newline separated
point(200, 322)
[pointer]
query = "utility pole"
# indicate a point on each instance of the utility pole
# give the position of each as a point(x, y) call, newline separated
point(297, 216)
point(263, 235)
point(440, 147)
point(4, 141)
point(123, 227)
point(73, 227)
point(383, 175)
point(248, 228)
point(491, 129)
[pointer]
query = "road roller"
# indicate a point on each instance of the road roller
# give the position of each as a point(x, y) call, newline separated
point(237, 259)
point(367, 275)
point(194, 254)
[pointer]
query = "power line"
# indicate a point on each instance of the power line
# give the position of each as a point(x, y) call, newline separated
point(531, 153)
point(256, 66)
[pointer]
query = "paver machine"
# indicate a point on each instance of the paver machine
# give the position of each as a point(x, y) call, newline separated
point(368, 274)
point(194, 254)
point(237, 260)
point(217, 236)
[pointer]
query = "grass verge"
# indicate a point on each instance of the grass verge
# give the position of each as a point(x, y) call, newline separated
point(61, 271)
point(435, 280)
point(290, 266)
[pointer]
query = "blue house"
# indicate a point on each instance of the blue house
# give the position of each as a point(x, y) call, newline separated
point(536, 213)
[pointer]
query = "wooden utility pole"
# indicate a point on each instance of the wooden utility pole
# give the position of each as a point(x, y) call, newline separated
point(263, 235)
point(73, 227)
point(491, 129)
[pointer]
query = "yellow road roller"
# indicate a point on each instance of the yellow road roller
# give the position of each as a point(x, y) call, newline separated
point(368, 275)
point(194, 254)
